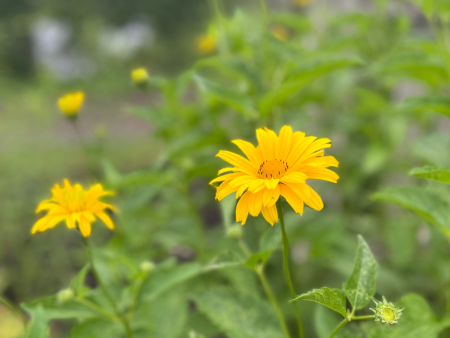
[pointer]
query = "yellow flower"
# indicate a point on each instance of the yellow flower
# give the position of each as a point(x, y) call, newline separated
point(139, 76)
point(206, 44)
point(71, 103)
point(78, 207)
point(277, 166)
point(280, 32)
point(302, 3)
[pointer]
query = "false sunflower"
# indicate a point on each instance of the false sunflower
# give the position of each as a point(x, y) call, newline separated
point(78, 207)
point(278, 166)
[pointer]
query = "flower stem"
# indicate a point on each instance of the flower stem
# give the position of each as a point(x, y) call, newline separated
point(13, 309)
point(264, 9)
point(96, 308)
point(287, 272)
point(345, 321)
point(363, 317)
point(84, 148)
point(105, 291)
point(259, 270)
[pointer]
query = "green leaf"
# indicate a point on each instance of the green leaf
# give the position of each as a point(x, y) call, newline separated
point(432, 173)
point(417, 321)
point(302, 77)
point(163, 279)
point(428, 205)
point(239, 316)
point(258, 258)
point(77, 284)
point(360, 287)
point(225, 94)
point(331, 298)
point(38, 327)
point(439, 104)
point(270, 240)
point(97, 327)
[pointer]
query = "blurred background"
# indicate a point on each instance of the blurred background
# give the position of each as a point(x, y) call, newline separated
point(148, 148)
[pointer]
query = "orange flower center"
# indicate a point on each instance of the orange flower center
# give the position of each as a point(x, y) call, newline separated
point(273, 169)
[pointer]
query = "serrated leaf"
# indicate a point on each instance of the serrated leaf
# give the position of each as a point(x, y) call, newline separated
point(428, 205)
point(302, 77)
point(440, 104)
point(432, 173)
point(239, 316)
point(331, 298)
point(360, 287)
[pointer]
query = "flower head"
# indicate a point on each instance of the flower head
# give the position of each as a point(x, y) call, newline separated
point(78, 207)
point(278, 166)
point(206, 44)
point(71, 103)
point(280, 32)
point(139, 76)
point(386, 312)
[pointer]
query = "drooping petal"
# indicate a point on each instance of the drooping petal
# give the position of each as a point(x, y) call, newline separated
point(105, 219)
point(314, 201)
point(271, 196)
point(84, 226)
point(294, 200)
point(255, 203)
point(242, 208)
point(270, 214)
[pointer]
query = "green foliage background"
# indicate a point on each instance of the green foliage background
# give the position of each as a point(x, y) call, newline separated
point(374, 81)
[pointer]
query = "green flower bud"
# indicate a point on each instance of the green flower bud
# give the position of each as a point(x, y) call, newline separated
point(235, 232)
point(65, 295)
point(386, 312)
point(147, 267)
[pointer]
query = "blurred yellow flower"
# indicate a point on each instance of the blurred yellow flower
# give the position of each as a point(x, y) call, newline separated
point(302, 3)
point(78, 207)
point(280, 32)
point(206, 44)
point(139, 76)
point(71, 103)
point(279, 165)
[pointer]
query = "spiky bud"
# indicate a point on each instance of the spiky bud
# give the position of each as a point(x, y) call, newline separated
point(386, 312)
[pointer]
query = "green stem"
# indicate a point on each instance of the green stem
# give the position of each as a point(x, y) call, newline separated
point(273, 301)
point(363, 317)
point(264, 9)
point(84, 148)
point(345, 321)
point(259, 270)
point(13, 309)
point(287, 272)
point(105, 291)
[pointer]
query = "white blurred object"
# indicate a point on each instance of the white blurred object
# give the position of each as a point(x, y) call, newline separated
point(50, 40)
point(125, 41)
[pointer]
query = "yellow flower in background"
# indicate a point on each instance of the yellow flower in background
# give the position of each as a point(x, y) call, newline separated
point(139, 76)
point(206, 44)
point(302, 3)
point(71, 103)
point(280, 32)
point(278, 166)
point(76, 206)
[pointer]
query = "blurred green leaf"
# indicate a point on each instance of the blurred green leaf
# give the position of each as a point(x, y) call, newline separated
point(438, 104)
point(270, 239)
point(331, 298)
point(360, 287)
point(325, 321)
point(77, 284)
point(239, 316)
point(432, 173)
point(303, 76)
point(428, 205)
point(257, 258)
point(97, 327)
point(38, 327)
point(225, 94)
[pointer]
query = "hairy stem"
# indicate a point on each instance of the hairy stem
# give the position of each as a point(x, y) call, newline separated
point(105, 291)
point(345, 321)
point(287, 272)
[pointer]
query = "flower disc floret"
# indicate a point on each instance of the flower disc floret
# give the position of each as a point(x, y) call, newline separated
point(76, 206)
point(278, 166)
